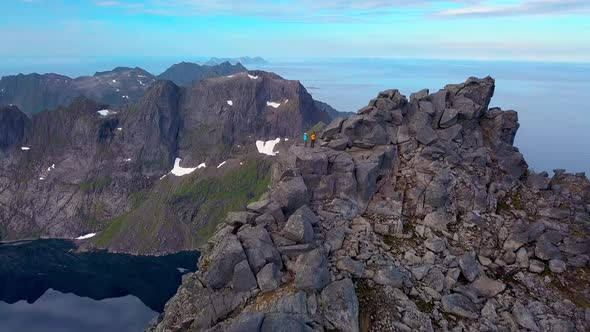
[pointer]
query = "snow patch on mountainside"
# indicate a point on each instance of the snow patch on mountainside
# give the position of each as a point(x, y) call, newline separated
point(267, 147)
point(87, 236)
point(181, 171)
point(106, 112)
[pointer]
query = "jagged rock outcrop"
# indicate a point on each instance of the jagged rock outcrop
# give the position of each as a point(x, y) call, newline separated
point(425, 207)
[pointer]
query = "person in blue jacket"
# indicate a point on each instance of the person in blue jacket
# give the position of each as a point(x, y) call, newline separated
point(305, 139)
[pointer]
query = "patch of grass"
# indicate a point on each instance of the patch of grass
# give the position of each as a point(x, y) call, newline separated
point(104, 238)
point(423, 306)
point(512, 201)
point(186, 210)
point(137, 198)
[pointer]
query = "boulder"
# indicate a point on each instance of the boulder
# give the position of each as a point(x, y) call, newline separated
point(488, 287)
point(332, 129)
point(259, 247)
point(470, 268)
point(312, 162)
point(311, 271)
point(557, 266)
point(243, 279)
point(426, 135)
point(340, 305)
point(416, 96)
point(439, 219)
point(391, 276)
point(351, 266)
point(269, 277)
point(449, 118)
point(258, 207)
point(536, 266)
point(240, 218)
point(222, 261)
point(366, 175)
point(291, 194)
point(459, 305)
point(523, 317)
point(298, 228)
point(334, 238)
point(451, 133)
point(436, 244)
point(545, 250)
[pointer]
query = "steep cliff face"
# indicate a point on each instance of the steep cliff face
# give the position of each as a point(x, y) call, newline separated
point(412, 215)
point(187, 73)
point(223, 113)
point(91, 167)
point(13, 125)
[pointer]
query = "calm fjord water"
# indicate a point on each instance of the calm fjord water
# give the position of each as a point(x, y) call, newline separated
point(550, 97)
point(46, 286)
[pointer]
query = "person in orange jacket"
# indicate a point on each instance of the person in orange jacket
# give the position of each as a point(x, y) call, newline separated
point(313, 139)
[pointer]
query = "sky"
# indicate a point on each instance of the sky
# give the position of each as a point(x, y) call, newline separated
point(542, 30)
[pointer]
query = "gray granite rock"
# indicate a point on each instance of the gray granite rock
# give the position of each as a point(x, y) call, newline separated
point(340, 305)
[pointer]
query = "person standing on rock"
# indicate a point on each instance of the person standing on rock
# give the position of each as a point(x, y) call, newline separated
point(305, 139)
point(312, 139)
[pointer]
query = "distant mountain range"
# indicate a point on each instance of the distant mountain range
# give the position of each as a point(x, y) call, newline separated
point(92, 167)
point(243, 60)
point(34, 93)
point(187, 73)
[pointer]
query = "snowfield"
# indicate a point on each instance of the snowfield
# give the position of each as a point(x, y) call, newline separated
point(230, 103)
point(25, 148)
point(223, 163)
point(273, 104)
point(106, 112)
point(87, 236)
point(181, 171)
point(252, 77)
point(267, 147)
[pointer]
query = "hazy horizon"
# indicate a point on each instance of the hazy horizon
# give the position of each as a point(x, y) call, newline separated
point(547, 30)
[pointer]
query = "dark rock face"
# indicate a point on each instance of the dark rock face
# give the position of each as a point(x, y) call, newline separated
point(187, 73)
point(13, 125)
point(425, 207)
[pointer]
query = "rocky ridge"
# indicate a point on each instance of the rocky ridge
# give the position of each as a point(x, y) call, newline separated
point(34, 93)
point(414, 215)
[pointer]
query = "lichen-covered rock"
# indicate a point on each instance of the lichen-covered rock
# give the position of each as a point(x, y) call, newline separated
point(311, 270)
point(340, 305)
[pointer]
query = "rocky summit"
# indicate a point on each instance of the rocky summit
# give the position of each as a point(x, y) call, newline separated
point(416, 215)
